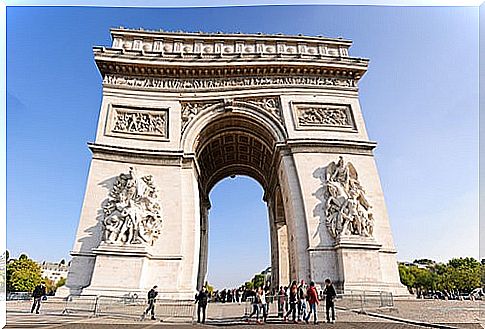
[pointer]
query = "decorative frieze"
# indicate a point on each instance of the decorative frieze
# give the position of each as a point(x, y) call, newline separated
point(190, 84)
point(138, 122)
point(270, 105)
point(324, 116)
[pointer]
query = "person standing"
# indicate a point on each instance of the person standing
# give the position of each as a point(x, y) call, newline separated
point(312, 296)
point(302, 300)
point(37, 294)
point(293, 300)
point(152, 295)
point(201, 300)
point(330, 296)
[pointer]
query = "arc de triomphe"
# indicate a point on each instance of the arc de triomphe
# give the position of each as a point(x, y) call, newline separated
point(180, 112)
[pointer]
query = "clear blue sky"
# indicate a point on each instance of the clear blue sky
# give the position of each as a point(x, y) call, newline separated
point(419, 98)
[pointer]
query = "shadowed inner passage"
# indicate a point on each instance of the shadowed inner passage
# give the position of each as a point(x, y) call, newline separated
point(234, 145)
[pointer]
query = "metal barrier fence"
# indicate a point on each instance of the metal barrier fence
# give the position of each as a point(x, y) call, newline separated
point(358, 300)
point(18, 295)
point(81, 304)
point(367, 300)
point(129, 307)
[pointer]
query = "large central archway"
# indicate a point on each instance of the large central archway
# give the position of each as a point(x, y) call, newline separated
point(234, 143)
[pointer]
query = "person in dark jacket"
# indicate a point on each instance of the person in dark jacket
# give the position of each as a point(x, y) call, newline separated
point(330, 296)
point(201, 300)
point(292, 301)
point(37, 294)
point(152, 295)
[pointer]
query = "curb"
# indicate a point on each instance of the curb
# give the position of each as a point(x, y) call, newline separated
point(414, 322)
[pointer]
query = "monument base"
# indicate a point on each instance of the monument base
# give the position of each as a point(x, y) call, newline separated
point(128, 270)
point(361, 262)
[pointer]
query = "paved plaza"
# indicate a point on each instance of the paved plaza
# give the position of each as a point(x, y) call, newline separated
point(451, 314)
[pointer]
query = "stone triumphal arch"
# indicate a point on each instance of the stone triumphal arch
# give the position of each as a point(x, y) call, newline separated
point(180, 112)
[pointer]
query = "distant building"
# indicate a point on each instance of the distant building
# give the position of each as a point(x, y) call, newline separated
point(421, 266)
point(54, 271)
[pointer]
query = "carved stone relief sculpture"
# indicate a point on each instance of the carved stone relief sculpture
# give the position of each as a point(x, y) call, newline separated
point(132, 214)
point(330, 115)
point(140, 122)
point(347, 210)
point(268, 104)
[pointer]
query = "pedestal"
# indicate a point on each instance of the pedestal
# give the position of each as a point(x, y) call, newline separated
point(358, 263)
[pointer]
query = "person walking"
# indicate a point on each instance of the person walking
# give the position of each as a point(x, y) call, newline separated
point(330, 296)
point(312, 297)
point(264, 303)
point(293, 301)
point(302, 301)
point(256, 303)
point(201, 301)
point(37, 294)
point(152, 295)
point(281, 302)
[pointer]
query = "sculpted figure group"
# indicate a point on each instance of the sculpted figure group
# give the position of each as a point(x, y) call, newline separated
point(132, 214)
point(347, 210)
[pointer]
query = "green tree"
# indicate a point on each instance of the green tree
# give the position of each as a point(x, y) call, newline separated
point(464, 273)
point(62, 281)
point(23, 274)
point(407, 278)
point(210, 289)
point(258, 280)
point(249, 285)
point(50, 286)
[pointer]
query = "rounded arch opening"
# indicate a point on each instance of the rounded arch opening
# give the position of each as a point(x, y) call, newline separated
point(234, 144)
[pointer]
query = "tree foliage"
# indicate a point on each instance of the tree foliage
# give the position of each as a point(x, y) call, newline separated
point(459, 274)
point(23, 274)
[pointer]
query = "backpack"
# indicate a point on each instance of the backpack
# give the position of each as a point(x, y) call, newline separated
point(302, 292)
point(152, 294)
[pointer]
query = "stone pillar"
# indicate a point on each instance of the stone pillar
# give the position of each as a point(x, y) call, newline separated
point(295, 218)
point(204, 243)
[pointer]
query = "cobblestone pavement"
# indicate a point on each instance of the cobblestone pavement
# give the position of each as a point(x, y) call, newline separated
point(440, 311)
point(458, 315)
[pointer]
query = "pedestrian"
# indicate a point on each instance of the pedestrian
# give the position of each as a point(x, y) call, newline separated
point(263, 303)
point(302, 301)
point(293, 301)
point(38, 294)
point(312, 297)
point(201, 300)
point(256, 303)
point(330, 296)
point(281, 302)
point(152, 295)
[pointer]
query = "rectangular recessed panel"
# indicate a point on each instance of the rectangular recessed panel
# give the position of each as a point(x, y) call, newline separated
point(244, 139)
point(243, 157)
